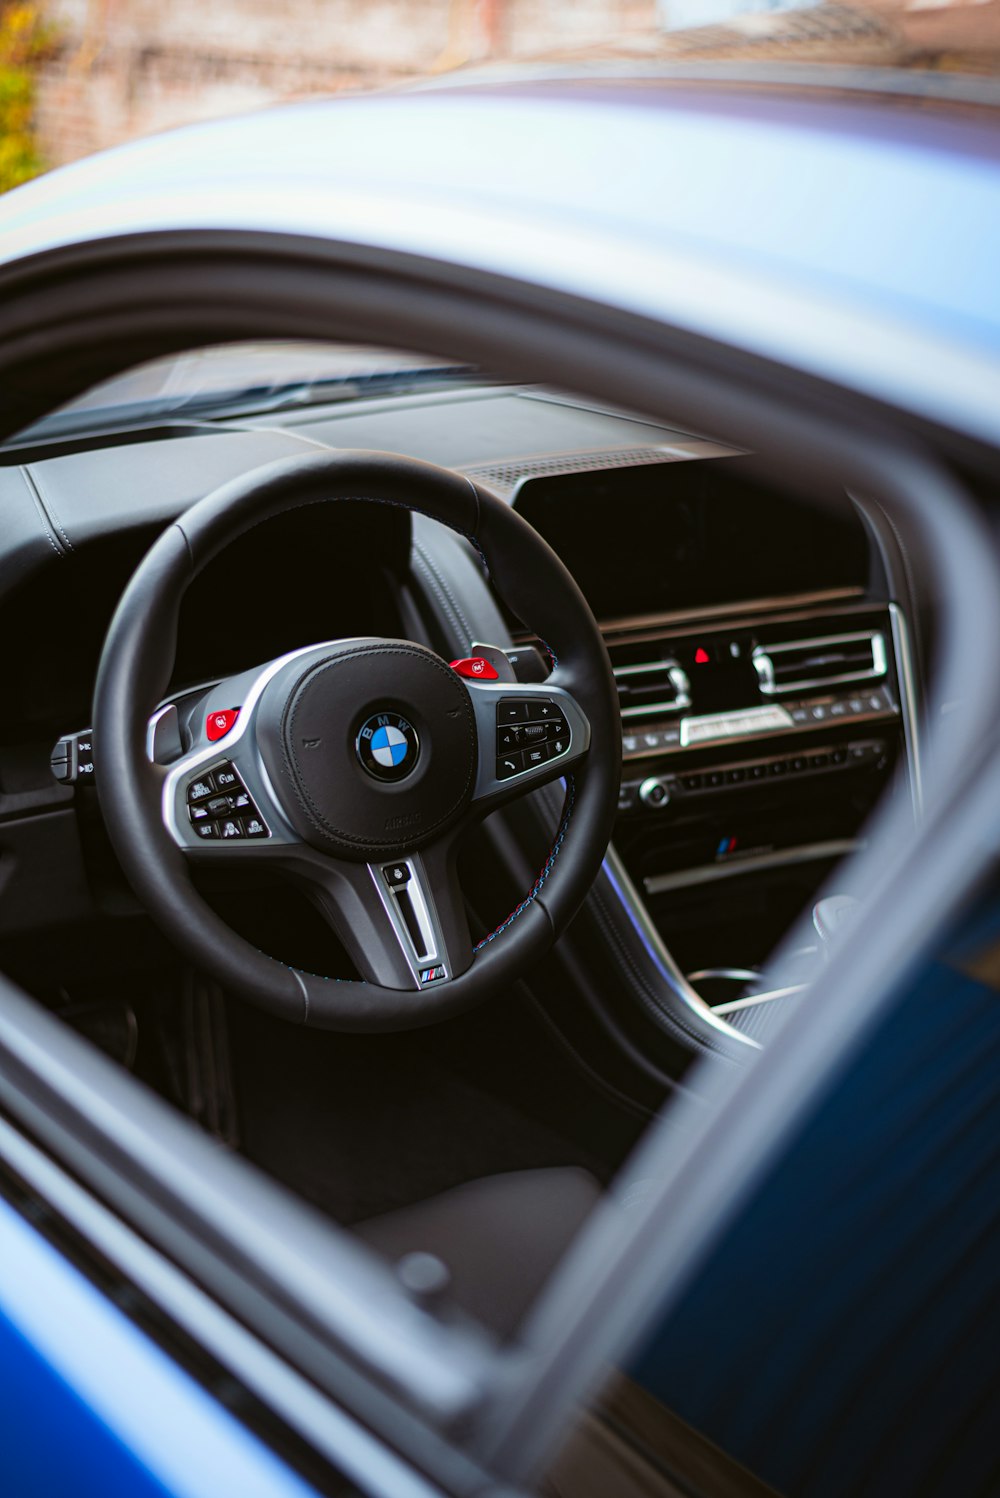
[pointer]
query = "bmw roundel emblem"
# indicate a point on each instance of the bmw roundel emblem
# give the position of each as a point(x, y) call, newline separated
point(387, 746)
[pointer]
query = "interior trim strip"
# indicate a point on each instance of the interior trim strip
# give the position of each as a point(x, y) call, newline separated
point(791, 608)
point(719, 728)
point(642, 668)
point(761, 998)
point(907, 701)
point(642, 923)
point(727, 974)
point(750, 611)
point(655, 709)
point(888, 716)
point(658, 884)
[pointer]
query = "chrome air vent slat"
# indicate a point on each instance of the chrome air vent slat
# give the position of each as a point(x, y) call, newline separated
point(650, 688)
point(823, 661)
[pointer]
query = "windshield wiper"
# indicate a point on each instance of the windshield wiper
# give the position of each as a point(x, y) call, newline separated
point(252, 400)
point(261, 399)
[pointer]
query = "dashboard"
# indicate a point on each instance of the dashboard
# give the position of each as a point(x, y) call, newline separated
point(760, 649)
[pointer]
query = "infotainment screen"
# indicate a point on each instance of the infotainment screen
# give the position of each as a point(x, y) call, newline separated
point(696, 533)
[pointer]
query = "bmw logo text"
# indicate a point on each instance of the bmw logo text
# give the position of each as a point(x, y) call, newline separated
point(387, 746)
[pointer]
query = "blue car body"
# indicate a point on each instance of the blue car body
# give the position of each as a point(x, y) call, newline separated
point(852, 243)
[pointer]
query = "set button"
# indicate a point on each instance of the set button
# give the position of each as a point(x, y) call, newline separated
point(228, 829)
point(221, 809)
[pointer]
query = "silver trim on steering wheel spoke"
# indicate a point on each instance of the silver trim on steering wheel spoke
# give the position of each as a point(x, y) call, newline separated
point(401, 921)
point(527, 735)
point(238, 749)
point(406, 897)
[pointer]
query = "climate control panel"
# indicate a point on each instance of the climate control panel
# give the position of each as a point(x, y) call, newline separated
point(743, 724)
point(657, 792)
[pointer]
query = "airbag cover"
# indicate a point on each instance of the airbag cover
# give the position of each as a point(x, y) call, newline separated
point(311, 736)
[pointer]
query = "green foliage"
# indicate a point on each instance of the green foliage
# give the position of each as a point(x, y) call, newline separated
point(24, 40)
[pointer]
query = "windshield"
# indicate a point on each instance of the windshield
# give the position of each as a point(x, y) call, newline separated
point(942, 53)
point(249, 377)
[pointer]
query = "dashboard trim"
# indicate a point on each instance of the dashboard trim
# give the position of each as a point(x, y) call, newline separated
point(709, 873)
point(761, 736)
point(735, 1006)
point(508, 476)
point(907, 702)
point(776, 609)
point(641, 922)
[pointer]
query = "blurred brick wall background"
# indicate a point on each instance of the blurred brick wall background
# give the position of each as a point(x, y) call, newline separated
point(127, 67)
point(123, 68)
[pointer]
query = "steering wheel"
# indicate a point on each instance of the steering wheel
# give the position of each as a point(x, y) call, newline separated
point(354, 766)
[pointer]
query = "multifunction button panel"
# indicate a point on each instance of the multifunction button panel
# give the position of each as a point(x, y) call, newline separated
point(221, 809)
point(530, 731)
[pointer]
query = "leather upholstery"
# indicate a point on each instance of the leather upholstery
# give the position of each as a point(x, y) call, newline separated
point(500, 1237)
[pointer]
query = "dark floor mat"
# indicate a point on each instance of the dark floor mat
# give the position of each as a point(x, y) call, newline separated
point(363, 1124)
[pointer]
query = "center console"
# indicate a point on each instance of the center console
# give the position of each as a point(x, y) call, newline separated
point(753, 752)
point(764, 679)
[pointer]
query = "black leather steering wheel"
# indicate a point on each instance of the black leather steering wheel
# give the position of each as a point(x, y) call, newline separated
point(354, 766)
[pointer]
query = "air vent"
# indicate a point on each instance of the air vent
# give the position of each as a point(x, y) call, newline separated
point(804, 665)
point(649, 686)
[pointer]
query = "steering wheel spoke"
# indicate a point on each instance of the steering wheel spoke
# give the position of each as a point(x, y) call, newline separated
point(527, 734)
point(402, 920)
point(220, 805)
point(217, 798)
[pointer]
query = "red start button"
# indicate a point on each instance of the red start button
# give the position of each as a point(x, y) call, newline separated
point(218, 724)
point(476, 667)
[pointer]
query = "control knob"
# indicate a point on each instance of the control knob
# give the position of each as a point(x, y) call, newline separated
point(654, 793)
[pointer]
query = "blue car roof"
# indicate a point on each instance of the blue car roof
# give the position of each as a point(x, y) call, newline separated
point(853, 238)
